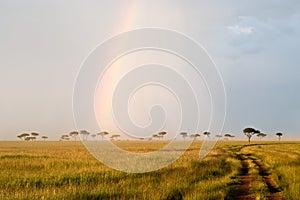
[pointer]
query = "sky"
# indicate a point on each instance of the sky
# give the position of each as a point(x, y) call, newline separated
point(254, 44)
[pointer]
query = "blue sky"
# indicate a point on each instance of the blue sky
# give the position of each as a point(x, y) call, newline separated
point(255, 45)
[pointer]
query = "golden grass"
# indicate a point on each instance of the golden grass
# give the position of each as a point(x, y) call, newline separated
point(283, 161)
point(66, 170)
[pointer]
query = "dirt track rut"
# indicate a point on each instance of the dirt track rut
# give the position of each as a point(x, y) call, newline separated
point(242, 190)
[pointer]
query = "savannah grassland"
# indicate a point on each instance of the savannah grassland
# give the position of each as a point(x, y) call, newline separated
point(66, 170)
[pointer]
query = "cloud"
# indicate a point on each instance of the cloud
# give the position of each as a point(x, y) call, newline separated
point(240, 30)
point(267, 56)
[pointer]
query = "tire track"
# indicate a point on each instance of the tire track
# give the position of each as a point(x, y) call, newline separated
point(275, 193)
point(242, 190)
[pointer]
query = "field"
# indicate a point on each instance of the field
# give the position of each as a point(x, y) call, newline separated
point(233, 170)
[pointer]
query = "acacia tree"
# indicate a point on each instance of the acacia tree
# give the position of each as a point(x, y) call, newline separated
point(23, 136)
point(102, 134)
point(34, 135)
point(228, 135)
point(115, 136)
point(207, 134)
point(279, 135)
point(155, 136)
point(84, 134)
point(184, 134)
point(162, 134)
point(249, 132)
point(74, 134)
point(64, 137)
point(195, 136)
point(44, 137)
point(93, 136)
point(261, 135)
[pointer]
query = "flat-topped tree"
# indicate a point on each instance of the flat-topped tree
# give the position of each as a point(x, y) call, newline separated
point(207, 134)
point(115, 136)
point(194, 136)
point(84, 134)
point(64, 137)
point(184, 134)
point(261, 135)
point(228, 135)
point(162, 134)
point(23, 136)
point(279, 135)
point(44, 137)
point(34, 134)
point(155, 136)
point(249, 132)
point(74, 134)
point(102, 134)
point(93, 136)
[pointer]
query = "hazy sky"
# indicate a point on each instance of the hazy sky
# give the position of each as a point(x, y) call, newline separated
point(255, 45)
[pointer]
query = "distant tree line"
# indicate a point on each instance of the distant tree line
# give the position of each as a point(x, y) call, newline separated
point(73, 135)
point(31, 137)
